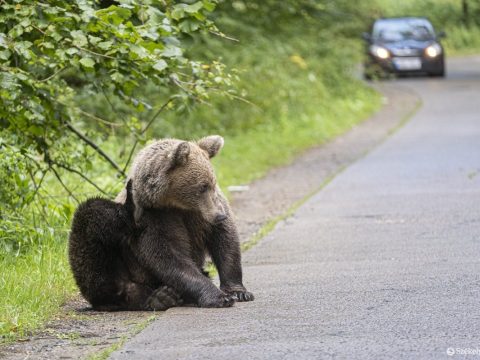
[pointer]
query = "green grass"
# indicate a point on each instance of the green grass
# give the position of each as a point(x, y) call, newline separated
point(33, 286)
point(462, 41)
point(250, 155)
point(105, 353)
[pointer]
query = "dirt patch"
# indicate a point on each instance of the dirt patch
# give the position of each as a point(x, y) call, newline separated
point(79, 333)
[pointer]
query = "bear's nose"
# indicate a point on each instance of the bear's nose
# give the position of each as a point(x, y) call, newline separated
point(220, 218)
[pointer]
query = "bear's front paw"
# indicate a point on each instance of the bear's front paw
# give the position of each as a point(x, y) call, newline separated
point(239, 293)
point(218, 300)
point(242, 295)
point(163, 298)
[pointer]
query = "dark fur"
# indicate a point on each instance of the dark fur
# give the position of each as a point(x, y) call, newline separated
point(180, 216)
point(105, 270)
point(184, 216)
point(173, 245)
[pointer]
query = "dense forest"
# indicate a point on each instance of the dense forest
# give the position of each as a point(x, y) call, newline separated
point(85, 84)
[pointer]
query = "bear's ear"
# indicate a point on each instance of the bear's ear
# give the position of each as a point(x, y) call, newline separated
point(211, 144)
point(180, 154)
point(129, 200)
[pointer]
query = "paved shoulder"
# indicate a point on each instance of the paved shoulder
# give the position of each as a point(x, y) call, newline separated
point(383, 263)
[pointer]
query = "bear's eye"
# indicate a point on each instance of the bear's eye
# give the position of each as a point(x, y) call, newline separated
point(203, 188)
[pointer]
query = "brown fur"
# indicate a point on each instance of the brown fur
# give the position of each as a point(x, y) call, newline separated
point(184, 215)
point(170, 173)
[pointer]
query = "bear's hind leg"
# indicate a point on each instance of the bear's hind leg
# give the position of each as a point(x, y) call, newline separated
point(141, 297)
point(163, 298)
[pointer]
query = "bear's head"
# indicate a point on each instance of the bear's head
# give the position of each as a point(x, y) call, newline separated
point(179, 174)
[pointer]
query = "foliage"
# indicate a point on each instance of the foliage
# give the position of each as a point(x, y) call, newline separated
point(462, 29)
point(442, 13)
point(51, 50)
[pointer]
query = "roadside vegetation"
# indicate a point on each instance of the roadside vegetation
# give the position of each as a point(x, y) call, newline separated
point(274, 78)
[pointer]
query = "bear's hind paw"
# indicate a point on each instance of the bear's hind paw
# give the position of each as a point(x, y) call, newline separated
point(163, 298)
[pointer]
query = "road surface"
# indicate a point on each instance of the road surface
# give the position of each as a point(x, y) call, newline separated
point(384, 262)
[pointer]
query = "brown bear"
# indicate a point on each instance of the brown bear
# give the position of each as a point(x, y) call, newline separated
point(102, 262)
point(182, 216)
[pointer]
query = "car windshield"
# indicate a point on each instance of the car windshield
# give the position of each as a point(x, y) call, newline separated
point(406, 29)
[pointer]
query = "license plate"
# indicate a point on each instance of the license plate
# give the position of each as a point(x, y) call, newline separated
point(407, 63)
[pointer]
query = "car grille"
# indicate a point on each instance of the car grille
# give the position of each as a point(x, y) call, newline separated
point(406, 52)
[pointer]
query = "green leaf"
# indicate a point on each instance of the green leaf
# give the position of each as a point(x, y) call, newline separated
point(209, 5)
point(194, 7)
point(3, 40)
point(35, 130)
point(105, 45)
point(87, 62)
point(8, 81)
point(114, 14)
point(188, 25)
point(72, 51)
point(178, 12)
point(139, 51)
point(160, 65)
point(172, 51)
point(117, 77)
point(5, 54)
point(47, 45)
point(79, 38)
point(94, 39)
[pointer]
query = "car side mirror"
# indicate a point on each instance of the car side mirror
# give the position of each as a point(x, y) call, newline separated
point(366, 36)
point(441, 34)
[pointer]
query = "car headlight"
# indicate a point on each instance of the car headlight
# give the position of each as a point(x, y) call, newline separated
point(379, 52)
point(433, 50)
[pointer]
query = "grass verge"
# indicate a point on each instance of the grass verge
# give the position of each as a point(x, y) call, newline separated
point(270, 225)
point(33, 287)
point(105, 353)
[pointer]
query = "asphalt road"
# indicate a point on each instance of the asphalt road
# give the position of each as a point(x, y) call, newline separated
point(384, 262)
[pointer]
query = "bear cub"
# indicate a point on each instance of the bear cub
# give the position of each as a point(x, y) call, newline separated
point(104, 267)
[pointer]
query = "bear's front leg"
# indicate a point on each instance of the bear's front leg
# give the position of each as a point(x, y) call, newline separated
point(224, 248)
point(176, 270)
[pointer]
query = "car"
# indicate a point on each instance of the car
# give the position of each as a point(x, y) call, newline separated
point(403, 45)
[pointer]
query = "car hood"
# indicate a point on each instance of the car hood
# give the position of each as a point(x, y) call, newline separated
point(406, 44)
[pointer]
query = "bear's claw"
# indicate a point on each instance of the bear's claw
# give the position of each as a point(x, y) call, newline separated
point(223, 300)
point(242, 296)
point(238, 292)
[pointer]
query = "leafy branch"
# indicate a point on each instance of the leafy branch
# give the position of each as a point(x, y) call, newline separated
point(59, 59)
point(132, 150)
point(97, 148)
